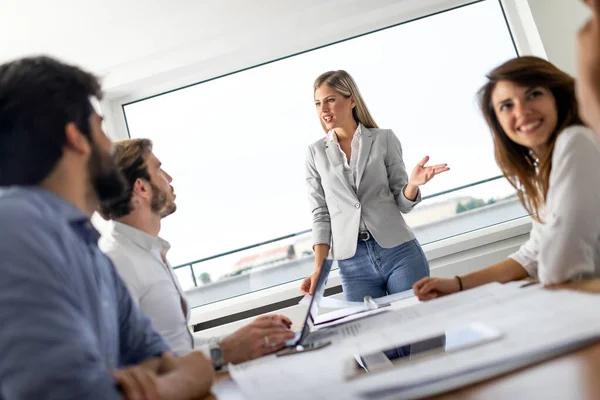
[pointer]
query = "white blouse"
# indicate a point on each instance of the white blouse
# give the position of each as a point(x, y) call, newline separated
point(566, 246)
point(350, 169)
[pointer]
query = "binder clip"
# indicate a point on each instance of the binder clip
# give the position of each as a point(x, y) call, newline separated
point(370, 304)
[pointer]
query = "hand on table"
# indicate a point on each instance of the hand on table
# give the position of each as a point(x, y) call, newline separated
point(431, 288)
point(264, 335)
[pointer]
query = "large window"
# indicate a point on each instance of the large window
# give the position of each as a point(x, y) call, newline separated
point(235, 145)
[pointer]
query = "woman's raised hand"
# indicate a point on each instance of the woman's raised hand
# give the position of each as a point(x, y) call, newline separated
point(424, 173)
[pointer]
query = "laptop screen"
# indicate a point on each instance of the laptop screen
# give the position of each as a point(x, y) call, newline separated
point(313, 307)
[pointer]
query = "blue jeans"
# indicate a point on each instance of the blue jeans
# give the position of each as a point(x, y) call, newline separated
point(376, 271)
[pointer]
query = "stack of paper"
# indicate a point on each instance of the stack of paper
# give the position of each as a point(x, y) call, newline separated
point(536, 324)
point(349, 310)
point(328, 302)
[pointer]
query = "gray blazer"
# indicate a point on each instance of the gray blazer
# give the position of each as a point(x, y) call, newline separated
point(380, 181)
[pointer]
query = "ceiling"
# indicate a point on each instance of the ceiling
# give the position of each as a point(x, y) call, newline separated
point(103, 35)
point(128, 41)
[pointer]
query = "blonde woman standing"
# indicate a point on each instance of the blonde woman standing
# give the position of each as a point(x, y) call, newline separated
point(358, 189)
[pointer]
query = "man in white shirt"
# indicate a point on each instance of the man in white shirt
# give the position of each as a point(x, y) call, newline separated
point(139, 255)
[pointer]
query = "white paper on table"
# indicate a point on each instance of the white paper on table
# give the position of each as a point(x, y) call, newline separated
point(391, 298)
point(532, 320)
point(349, 311)
point(227, 389)
point(337, 314)
point(456, 380)
point(345, 315)
point(359, 336)
point(535, 327)
point(328, 302)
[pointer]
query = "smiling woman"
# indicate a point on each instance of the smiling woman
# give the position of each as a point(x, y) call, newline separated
point(527, 103)
point(527, 115)
point(551, 159)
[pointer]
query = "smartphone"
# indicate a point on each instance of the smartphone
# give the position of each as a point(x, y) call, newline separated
point(302, 349)
point(449, 341)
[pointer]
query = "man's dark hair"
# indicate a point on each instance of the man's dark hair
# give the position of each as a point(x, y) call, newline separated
point(39, 96)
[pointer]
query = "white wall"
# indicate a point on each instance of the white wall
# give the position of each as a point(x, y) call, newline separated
point(292, 27)
point(557, 22)
point(142, 47)
point(541, 27)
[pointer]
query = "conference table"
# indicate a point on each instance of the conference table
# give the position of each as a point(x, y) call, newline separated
point(571, 376)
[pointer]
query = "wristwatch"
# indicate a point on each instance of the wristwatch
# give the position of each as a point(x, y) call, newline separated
point(216, 355)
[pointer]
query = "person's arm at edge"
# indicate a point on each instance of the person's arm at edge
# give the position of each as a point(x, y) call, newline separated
point(519, 265)
point(505, 271)
point(188, 377)
point(587, 84)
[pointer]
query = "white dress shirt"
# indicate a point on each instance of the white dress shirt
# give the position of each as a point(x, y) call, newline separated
point(567, 245)
point(350, 169)
point(141, 261)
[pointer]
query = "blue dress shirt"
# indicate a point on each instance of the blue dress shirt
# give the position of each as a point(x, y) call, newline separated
point(67, 318)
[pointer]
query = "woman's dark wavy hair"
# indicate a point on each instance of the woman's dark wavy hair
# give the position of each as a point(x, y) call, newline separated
point(524, 172)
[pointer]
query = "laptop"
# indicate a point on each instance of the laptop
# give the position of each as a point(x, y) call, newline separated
point(301, 336)
point(311, 335)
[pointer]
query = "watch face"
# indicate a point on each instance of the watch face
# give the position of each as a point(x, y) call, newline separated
point(217, 356)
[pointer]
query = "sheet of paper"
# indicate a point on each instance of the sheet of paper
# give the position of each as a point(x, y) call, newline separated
point(344, 318)
point(456, 380)
point(533, 321)
point(328, 302)
point(227, 389)
point(391, 298)
point(337, 314)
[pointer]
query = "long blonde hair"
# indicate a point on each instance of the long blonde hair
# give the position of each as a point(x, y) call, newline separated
point(342, 82)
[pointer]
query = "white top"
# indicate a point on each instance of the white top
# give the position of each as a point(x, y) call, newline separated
point(141, 261)
point(350, 169)
point(567, 245)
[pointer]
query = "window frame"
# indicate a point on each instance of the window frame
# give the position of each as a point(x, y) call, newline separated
point(518, 17)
